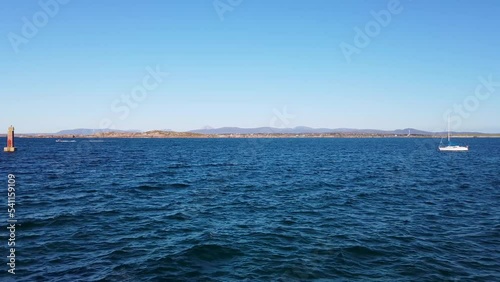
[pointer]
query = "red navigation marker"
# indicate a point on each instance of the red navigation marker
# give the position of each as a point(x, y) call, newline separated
point(10, 141)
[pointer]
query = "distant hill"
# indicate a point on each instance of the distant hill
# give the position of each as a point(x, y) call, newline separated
point(86, 131)
point(310, 130)
point(301, 130)
point(262, 130)
point(414, 131)
point(270, 130)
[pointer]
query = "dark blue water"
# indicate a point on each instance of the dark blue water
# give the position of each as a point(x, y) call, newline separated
point(254, 210)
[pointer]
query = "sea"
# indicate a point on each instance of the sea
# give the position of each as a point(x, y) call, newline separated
point(298, 209)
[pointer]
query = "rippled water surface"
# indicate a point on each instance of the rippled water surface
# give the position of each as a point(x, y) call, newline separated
point(255, 210)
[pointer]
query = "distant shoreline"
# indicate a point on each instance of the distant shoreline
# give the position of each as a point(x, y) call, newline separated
point(171, 134)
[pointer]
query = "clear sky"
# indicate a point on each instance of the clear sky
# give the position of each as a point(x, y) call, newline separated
point(237, 65)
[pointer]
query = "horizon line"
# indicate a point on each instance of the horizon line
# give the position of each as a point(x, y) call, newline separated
point(260, 127)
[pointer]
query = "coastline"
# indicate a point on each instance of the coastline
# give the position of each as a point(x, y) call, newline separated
point(172, 134)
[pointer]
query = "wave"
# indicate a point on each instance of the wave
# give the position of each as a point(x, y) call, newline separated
point(57, 220)
point(362, 251)
point(150, 187)
point(179, 216)
point(211, 253)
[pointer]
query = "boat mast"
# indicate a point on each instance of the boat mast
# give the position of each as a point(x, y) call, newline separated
point(448, 129)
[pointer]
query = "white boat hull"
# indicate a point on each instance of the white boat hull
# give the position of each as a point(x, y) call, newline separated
point(453, 149)
point(450, 147)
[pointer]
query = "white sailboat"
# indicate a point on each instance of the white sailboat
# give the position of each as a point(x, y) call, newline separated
point(450, 147)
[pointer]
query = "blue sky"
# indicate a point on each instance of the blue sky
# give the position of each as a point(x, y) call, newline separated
point(262, 56)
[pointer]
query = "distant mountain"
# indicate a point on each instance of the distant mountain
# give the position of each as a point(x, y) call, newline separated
point(261, 130)
point(310, 130)
point(270, 130)
point(303, 130)
point(413, 131)
point(86, 131)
